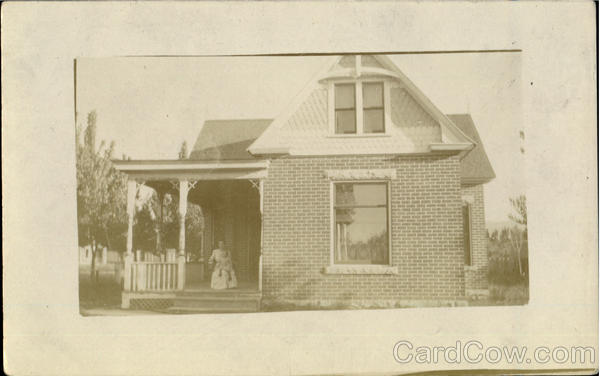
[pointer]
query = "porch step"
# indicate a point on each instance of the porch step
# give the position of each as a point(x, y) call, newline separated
point(189, 301)
point(219, 293)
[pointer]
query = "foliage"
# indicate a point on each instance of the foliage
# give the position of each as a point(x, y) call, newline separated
point(157, 223)
point(508, 249)
point(506, 267)
point(375, 248)
point(509, 294)
point(183, 152)
point(194, 225)
point(144, 231)
point(100, 191)
point(519, 205)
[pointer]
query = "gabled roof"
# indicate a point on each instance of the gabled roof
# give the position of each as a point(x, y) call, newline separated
point(475, 166)
point(275, 138)
point(227, 139)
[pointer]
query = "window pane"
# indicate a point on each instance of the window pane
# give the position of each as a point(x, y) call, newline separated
point(345, 121)
point(361, 236)
point(373, 121)
point(372, 94)
point(344, 96)
point(363, 194)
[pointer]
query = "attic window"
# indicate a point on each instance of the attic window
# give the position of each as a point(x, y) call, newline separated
point(368, 96)
point(373, 107)
point(345, 109)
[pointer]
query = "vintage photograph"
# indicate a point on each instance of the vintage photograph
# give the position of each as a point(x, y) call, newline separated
point(317, 182)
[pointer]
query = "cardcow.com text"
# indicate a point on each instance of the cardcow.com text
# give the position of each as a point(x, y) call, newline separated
point(475, 352)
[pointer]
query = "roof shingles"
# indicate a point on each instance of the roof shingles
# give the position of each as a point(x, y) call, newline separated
point(230, 139)
point(475, 166)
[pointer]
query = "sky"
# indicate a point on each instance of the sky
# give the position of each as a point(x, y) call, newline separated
point(150, 105)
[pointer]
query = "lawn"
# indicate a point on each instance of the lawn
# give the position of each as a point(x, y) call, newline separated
point(500, 294)
point(105, 293)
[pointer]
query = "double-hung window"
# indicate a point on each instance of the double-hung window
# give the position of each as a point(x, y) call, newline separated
point(373, 115)
point(359, 108)
point(345, 109)
point(361, 234)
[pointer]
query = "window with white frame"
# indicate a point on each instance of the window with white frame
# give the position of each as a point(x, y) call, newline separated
point(361, 219)
point(369, 118)
point(345, 109)
point(373, 114)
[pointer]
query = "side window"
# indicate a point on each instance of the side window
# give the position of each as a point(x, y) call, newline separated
point(345, 109)
point(467, 233)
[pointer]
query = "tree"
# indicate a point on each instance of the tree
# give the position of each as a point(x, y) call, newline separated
point(100, 191)
point(144, 230)
point(183, 152)
point(519, 205)
point(517, 242)
point(518, 236)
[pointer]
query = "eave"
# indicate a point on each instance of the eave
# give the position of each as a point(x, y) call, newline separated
point(189, 169)
point(475, 181)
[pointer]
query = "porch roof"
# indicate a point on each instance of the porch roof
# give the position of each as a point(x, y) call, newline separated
point(191, 169)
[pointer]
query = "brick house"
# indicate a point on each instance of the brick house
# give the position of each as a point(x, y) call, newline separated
point(361, 193)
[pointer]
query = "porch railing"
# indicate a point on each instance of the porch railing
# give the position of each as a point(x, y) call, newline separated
point(152, 276)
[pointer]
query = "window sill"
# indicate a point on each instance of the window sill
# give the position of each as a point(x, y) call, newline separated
point(360, 269)
point(364, 135)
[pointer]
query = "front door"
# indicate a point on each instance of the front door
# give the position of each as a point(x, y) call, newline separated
point(234, 217)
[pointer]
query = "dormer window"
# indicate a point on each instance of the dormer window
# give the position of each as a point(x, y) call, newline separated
point(373, 115)
point(345, 109)
point(368, 98)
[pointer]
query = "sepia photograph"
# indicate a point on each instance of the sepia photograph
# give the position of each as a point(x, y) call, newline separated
point(299, 188)
point(311, 182)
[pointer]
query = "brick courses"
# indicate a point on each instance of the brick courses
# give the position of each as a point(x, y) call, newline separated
point(426, 227)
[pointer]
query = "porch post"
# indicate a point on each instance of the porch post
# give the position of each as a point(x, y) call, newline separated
point(131, 192)
point(183, 193)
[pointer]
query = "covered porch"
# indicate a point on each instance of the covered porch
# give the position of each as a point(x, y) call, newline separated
point(230, 197)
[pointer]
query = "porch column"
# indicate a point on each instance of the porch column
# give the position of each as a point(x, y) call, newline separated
point(131, 192)
point(183, 193)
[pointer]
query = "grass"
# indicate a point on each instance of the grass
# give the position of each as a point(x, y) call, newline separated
point(103, 294)
point(502, 294)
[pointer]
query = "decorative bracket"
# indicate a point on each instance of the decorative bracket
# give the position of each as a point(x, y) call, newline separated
point(256, 184)
point(192, 184)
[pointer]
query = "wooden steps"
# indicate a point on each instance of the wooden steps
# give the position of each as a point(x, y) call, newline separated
point(216, 301)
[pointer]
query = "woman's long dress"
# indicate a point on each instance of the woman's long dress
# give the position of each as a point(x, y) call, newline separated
point(223, 276)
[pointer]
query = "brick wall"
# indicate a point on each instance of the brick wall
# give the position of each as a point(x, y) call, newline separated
point(426, 227)
point(476, 275)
